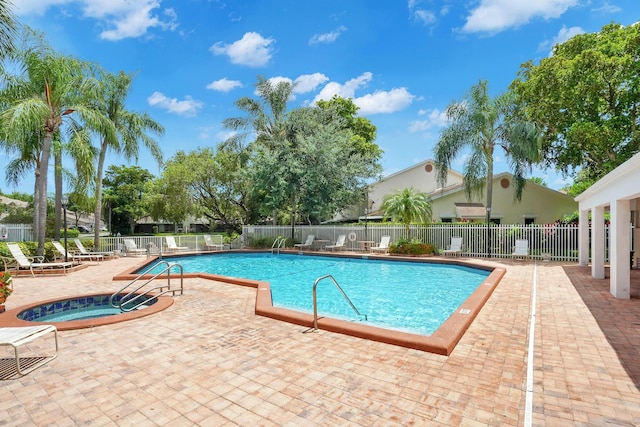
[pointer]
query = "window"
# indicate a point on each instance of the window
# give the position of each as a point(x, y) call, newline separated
point(449, 220)
point(529, 221)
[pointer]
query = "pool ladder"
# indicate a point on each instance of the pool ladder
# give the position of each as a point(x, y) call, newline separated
point(136, 299)
point(278, 243)
point(315, 300)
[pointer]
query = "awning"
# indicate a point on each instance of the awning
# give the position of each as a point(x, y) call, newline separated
point(470, 210)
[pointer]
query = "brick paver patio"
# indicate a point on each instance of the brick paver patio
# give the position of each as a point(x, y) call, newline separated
point(209, 360)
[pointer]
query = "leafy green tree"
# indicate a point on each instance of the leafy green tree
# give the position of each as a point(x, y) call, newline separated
point(46, 92)
point(126, 132)
point(585, 97)
point(481, 124)
point(7, 28)
point(407, 206)
point(538, 180)
point(125, 190)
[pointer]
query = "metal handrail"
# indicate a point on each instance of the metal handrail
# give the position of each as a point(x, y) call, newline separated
point(315, 301)
point(132, 296)
point(277, 244)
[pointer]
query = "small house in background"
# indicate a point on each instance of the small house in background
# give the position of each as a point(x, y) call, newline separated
point(539, 204)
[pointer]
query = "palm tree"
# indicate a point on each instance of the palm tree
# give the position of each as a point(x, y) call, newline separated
point(407, 206)
point(44, 94)
point(127, 132)
point(480, 124)
point(7, 28)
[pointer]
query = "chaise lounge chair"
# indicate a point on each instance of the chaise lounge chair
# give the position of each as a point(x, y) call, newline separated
point(17, 336)
point(132, 249)
point(23, 261)
point(340, 243)
point(213, 243)
point(455, 248)
point(84, 251)
point(172, 246)
point(75, 257)
point(307, 244)
point(521, 249)
point(383, 246)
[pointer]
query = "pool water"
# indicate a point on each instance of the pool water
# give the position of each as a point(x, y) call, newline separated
point(408, 296)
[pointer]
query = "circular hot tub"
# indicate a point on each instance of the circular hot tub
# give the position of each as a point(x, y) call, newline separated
point(83, 311)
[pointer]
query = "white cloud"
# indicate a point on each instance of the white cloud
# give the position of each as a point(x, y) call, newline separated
point(383, 101)
point(424, 16)
point(328, 37)
point(223, 135)
point(251, 50)
point(497, 15)
point(187, 108)
point(346, 90)
point(435, 118)
point(224, 85)
point(563, 35)
point(123, 18)
point(607, 8)
point(308, 82)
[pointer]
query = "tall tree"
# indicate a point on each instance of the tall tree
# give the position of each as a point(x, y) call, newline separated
point(481, 124)
point(407, 206)
point(46, 92)
point(126, 186)
point(7, 28)
point(128, 131)
point(586, 97)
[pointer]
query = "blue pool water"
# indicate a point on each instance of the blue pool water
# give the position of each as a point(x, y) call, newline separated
point(408, 296)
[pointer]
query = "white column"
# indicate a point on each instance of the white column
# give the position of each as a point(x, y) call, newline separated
point(620, 243)
point(597, 242)
point(583, 238)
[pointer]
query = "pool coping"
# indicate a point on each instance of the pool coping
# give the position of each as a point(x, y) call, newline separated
point(10, 317)
point(442, 341)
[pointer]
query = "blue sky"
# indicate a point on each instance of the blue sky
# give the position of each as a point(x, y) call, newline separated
point(402, 62)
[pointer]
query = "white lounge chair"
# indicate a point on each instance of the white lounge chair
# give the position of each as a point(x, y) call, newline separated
point(521, 249)
point(213, 243)
point(131, 248)
point(84, 251)
point(340, 243)
point(24, 261)
point(307, 244)
point(17, 336)
point(455, 248)
point(172, 246)
point(74, 257)
point(383, 246)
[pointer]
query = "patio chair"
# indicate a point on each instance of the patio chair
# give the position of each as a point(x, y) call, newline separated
point(455, 248)
point(213, 243)
point(24, 261)
point(132, 249)
point(521, 249)
point(340, 243)
point(17, 336)
point(172, 246)
point(383, 246)
point(84, 251)
point(307, 243)
point(76, 257)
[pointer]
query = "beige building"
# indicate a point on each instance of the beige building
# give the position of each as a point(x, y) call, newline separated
point(539, 204)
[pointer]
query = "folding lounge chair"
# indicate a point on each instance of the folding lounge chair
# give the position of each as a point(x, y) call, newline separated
point(383, 246)
point(84, 251)
point(455, 248)
point(131, 248)
point(171, 245)
point(307, 244)
point(74, 257)
point(340, 243)
point(34, 262)
point(17, 336)
point(521, 249)
point(214, 242)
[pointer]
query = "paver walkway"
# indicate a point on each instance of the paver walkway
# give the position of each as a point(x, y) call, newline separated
point(209, 360)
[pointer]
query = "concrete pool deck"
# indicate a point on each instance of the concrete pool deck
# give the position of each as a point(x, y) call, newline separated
point(209, 360)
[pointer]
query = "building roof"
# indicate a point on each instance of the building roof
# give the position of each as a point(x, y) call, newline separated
point(470, 210)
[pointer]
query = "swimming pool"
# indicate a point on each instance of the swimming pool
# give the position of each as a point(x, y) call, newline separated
point(405, 296)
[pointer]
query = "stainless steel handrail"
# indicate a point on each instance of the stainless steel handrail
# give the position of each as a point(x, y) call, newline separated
point(133, 297)
point(277, 244)
point(315, 301)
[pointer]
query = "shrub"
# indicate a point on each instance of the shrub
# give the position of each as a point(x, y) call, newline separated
point(412, 247)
